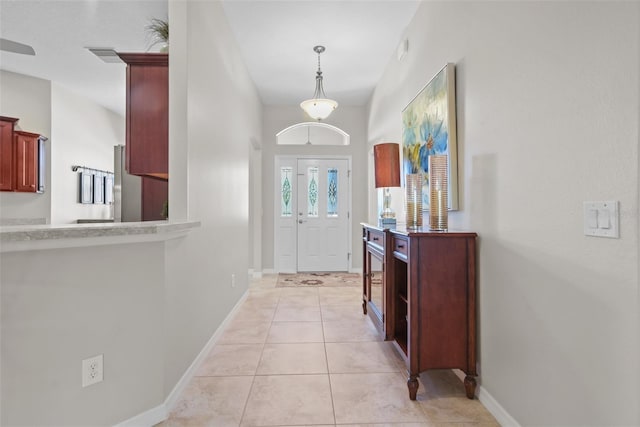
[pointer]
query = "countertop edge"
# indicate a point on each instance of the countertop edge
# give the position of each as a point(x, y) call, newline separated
point(421, 231)
point(33, 237)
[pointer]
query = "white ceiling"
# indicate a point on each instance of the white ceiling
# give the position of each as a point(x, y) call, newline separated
point(59, 31)
point(276, 39)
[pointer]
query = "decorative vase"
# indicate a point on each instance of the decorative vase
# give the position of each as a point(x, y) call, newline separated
point(438, 193)
point(414, 200)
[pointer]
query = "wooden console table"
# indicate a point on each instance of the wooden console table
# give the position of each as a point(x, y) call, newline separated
point(419, 287)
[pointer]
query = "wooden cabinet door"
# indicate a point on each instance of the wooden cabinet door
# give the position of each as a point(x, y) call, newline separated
point(147, 127)
point(155, 193)
point(26, 154)
point(6, 154)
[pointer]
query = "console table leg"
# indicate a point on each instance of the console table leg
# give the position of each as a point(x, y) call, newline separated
point(470, 386)
point(364, 307)
point(412, 384)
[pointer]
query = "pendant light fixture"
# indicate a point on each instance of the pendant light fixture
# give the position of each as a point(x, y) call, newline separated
point(319, 107)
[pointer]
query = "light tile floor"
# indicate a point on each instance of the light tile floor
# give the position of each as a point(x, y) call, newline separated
point(302, 357)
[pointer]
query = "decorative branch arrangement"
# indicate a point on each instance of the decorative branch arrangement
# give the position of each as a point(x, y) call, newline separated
point(158, 29)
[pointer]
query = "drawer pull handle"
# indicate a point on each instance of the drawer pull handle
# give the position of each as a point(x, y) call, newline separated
point(400, 246)
point(375, 239)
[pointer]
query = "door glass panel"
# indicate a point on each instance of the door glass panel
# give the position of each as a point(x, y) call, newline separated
point(286, 173)
point(312, 193)
point(332, 192)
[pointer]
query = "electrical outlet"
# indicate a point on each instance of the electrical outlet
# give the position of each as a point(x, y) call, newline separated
point(233, 280)
point(92, 370)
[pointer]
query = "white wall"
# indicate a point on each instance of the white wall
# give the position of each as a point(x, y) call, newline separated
point(217, 109)
point(28, 99)
point(65, 305)
point(548, 117)
point(351, 120)
point(75, 303)
point(255, 208)
point(80, 132)
point(84, 134)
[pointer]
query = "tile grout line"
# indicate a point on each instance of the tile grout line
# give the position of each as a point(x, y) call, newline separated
point(253, 380)
point(326, 358)
point(474, 418)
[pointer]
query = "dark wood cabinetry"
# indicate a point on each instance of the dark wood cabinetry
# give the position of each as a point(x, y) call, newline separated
point(29, 155)
point(147, 120)
point(147, 128)
point(21, 159)
point(6, 153)
point(429, 309)
point(154, 195)
point(375, 277)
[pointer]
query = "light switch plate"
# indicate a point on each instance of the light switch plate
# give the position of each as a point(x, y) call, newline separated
point(601, 219)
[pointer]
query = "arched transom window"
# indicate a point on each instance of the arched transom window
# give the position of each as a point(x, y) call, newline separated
point(312, 133)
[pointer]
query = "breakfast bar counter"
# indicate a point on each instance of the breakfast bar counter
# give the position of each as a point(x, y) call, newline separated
point(50, 236)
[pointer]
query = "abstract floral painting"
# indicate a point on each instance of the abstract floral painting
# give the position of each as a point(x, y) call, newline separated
point(429, 127)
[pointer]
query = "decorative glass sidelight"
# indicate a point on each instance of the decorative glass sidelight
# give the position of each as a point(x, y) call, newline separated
point(332, 192)
point(312, 198)
point(286, 173)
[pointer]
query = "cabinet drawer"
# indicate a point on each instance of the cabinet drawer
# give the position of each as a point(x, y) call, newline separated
point(400, 245)
point(375, 236)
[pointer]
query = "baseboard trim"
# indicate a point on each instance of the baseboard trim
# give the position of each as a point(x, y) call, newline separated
point(268, 271)
point(148, 418)
point(161, 412)
point(172, 398)
point(492, 405)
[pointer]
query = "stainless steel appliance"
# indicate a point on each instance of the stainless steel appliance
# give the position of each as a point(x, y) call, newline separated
point(127, 190)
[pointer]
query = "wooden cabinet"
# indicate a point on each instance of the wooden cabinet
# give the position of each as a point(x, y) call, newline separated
point(6, 153)
point(154, 195)
point(147, 116)
point(147, 128)
point(430, 306)
point(22, 159)
point(29, 155)
point(375, 278)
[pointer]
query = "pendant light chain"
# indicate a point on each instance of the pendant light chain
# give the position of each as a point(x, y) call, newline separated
point(319, 92)
point(318, 107)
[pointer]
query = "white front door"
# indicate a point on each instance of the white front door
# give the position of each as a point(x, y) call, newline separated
point(323, 215)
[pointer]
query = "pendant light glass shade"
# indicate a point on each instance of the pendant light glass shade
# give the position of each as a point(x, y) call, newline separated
point(319, 107)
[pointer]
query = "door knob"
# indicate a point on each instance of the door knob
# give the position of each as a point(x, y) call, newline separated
point(301, 221)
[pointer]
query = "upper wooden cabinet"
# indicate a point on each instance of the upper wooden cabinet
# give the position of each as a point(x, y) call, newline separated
point(29, 154)
point(22, 159)
point(6, 153)
point(147, 127)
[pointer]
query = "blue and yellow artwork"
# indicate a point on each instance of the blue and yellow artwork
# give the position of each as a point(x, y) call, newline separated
point(429, 127)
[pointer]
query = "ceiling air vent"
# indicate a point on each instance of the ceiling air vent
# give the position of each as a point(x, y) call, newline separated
point(106, 54)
